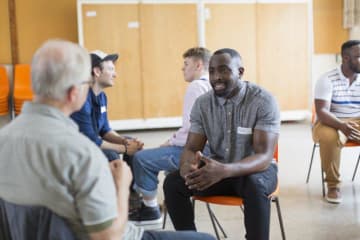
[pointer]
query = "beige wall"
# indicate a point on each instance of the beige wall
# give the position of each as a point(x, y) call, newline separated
point(5, 50)
point(37, 21)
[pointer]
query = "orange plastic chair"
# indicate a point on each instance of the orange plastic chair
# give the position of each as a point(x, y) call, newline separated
point(4, 91)
point(22, 86)
point(234, 201)
point(347, 144)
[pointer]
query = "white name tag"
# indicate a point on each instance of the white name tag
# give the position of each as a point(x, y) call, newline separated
point(242, 130)
point(103, 109)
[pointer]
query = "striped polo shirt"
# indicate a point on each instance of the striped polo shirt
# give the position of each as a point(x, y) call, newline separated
point(334, 87)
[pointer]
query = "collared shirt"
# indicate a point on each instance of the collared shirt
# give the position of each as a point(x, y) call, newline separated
point(195, 89)
point(335, 88)
point(92, 117)
point(45, 161)
point(228, 124)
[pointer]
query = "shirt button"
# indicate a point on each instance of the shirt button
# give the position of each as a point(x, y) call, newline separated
point(228, 131)
point(229, 113)
point(226, 149)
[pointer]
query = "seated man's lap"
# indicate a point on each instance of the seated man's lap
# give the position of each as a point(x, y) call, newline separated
point(264, 181)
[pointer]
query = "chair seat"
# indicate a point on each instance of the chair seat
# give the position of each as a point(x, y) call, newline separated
point(222, 200)
point(230, 200)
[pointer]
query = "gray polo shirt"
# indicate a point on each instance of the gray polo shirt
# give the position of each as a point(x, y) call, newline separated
point(46, 161)
point(229, 124)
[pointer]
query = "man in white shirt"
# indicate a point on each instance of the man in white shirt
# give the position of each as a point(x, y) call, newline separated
point(148, 163)
point(337, 105)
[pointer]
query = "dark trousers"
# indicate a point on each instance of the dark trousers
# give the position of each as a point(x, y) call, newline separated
point(254, 189)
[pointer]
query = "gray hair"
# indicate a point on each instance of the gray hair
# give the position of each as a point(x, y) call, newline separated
point(58, 65)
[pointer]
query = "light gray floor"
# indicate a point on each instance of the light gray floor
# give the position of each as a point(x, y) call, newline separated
point(306, 215)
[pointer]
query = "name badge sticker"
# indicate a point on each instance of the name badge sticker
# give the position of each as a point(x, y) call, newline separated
point(103, 109)
point(242, 130)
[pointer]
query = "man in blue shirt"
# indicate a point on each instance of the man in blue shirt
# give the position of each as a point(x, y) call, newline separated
point(92, 117)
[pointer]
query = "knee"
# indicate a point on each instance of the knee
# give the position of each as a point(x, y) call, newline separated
point(327, 134)
point(171, 181)
point(256, 186)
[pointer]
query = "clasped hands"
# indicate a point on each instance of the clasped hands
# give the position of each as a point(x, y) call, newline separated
point(133, 145)
point(202, 172)
point(351, 130)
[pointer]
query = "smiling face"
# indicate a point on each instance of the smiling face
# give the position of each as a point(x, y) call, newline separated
point(224, 73)
point(105, 74)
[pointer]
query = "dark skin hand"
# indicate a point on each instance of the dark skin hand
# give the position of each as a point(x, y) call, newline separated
point(350, 128)
point(200, 177)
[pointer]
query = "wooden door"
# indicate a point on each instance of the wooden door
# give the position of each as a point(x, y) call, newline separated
point(282, 53)
point(233, 26)
point(114, 28)
point(167, 31)
point(329, 33)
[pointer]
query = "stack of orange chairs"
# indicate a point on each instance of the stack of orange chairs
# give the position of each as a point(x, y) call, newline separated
point(22, 86)
point(4, 91)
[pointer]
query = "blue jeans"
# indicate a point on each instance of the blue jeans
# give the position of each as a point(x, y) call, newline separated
point(178, 235)
point(148, 163)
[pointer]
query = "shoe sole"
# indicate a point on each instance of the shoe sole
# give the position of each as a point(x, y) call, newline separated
point(333, 200)
point(148, 222)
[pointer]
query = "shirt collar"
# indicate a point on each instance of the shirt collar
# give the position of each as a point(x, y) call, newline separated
point(47, 110)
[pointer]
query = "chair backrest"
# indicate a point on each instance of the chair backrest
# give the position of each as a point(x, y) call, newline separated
point(19, 222)
point(22, 79)
point(4, 82)
point(276, 153)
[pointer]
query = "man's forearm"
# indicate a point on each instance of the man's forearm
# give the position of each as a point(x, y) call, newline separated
point(119, 148)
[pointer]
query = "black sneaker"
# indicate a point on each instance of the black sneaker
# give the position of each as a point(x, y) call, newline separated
point(146, 216)
point(135, 201)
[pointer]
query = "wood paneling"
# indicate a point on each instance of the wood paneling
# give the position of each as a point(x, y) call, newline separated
point(5, 47)
point(329, 33)
point(109, 31)
point(282, 53)
point(234, 26)
point(40, 20)
point(167, 30)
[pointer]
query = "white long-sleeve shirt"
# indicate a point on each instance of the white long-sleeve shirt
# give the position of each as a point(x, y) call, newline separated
point(195, 89)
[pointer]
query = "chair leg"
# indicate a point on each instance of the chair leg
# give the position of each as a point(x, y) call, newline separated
point(276, 200)
point(213, 221)
point(218, 223)
point(356, 167)
point(322, 179)
point(311, 161)
point(165, 215)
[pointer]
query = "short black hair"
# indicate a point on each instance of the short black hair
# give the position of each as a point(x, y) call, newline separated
point(232, 52)
point(347, 45)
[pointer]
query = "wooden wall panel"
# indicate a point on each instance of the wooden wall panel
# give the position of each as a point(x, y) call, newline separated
point(235, 29)
point(5, 47)
point(40, 20)
point(282, 53)
point(329, 33)
point(109, 31)
point(167, 30)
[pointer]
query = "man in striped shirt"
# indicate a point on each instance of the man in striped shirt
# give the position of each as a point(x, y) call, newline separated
point(337, 105)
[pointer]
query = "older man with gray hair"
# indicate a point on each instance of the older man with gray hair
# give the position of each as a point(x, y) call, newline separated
point(45, 161)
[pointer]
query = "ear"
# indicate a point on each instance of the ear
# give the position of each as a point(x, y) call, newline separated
point(241, 71)
point(97, 71)
point(72, 94)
